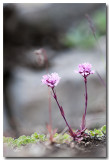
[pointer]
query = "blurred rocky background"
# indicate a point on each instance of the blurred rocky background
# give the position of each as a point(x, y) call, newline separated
point(66, 34)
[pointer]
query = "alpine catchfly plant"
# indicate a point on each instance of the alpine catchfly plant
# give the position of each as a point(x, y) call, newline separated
point(52, 81)
point(85, 69)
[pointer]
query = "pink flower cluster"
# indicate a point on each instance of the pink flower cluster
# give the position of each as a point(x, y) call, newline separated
point(51, 80)
point(85, 69)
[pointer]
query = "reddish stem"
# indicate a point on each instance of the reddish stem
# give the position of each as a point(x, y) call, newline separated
point(44, 54)
point(63, 115)
point(49, 94)
point(50, 115)
point(86, 98)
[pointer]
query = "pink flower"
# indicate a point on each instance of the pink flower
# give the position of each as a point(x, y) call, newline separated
point(85, 69)
point(51, 80)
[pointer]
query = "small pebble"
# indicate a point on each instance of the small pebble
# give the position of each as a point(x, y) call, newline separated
point(82, 142)
point(72, 145)
point(57, 145)
point(87, 144)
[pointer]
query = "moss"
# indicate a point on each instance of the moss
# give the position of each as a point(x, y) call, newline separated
point(58, 138)
point(97, 132)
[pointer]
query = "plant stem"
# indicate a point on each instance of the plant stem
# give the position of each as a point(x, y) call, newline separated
point(102, 81)
point(86, 98)
point(50, 116)
point(49, 95)
point(63, 115)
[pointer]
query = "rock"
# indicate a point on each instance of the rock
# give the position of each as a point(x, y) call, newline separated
point(39, 150)
point(41, 24)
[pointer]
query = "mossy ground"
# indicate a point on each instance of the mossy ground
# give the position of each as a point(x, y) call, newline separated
point(96, 134)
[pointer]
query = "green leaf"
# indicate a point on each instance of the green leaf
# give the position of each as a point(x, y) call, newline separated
point(66, 136)
point(55, 135)
point(92, 133)
point(103, 129)
point(42, 137)
point(35, 135)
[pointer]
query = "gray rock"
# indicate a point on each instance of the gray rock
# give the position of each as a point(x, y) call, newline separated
point(42, 24)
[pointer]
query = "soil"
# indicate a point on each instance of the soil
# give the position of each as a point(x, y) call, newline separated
point(88, 148)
